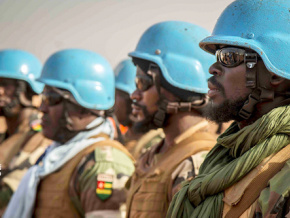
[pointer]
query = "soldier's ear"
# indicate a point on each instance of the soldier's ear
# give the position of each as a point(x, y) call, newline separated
point(276, 80)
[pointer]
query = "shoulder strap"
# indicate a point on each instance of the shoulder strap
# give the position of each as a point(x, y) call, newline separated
point(106, 142)
point(273, 166)
point(198, 142)
point(115, 144)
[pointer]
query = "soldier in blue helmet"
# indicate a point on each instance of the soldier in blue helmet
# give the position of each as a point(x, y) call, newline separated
point(125, 73)
point(136, 142)
point(84, 171)
point(247, 173)
point(22, 142)
point(171, 92)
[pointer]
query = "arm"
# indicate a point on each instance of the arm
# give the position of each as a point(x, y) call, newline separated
point(96, 187)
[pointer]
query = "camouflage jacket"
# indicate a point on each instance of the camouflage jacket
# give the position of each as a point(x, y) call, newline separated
point(96, 186)
point(274, 201)
point(140, 146)
point(28, 152)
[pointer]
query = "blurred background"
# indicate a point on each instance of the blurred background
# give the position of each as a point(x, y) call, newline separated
point(109, 27)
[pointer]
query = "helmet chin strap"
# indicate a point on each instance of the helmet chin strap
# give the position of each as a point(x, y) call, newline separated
point(253, 81)
point(168, 107)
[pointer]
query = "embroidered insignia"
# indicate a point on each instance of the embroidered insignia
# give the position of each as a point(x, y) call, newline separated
point(104, 186)
point(36, 125)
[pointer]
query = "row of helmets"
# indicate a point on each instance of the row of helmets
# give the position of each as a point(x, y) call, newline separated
point(262, 26)
point(90, 78)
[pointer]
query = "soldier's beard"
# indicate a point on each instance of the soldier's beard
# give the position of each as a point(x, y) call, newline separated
point(144, 125)
point(11, 109)
point(227, 111)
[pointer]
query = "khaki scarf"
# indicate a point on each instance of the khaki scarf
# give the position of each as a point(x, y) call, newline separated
point(236, 153)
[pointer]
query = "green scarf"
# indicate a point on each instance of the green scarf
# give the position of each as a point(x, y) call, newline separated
point(236, 153)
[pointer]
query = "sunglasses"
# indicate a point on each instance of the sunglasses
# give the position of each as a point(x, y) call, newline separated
point(232, 57)
point(51, 98)
point(143, 82)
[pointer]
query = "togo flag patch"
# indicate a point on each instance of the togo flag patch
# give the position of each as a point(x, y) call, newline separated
point(104, 186)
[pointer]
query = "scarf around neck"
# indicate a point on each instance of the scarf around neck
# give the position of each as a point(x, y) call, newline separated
point(22, 203)
point(236, 153)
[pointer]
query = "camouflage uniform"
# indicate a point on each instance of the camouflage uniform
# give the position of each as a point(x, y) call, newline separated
point(12, 144)
point(276, 196)
point(32, 146)
point(140, 146)
point(87, 177)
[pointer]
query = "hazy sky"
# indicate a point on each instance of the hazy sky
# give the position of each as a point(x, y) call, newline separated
point(109, 27)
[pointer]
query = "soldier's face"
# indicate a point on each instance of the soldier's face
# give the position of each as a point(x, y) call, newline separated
point(144, 101)
point(52, 110)
point(227, 92)
point(7, 91)
point(122, 107)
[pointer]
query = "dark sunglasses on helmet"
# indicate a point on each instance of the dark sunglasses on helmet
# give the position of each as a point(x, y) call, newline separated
point(232, 57)
point(51, 98)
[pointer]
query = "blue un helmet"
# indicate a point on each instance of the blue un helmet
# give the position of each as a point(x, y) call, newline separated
point(173, 46)
point(21, 65)
point(86, 75)
point(125, 74)
point(262, 26)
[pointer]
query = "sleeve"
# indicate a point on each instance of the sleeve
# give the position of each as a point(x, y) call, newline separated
point(274, 200)
point(187, 169)
point(97, 184)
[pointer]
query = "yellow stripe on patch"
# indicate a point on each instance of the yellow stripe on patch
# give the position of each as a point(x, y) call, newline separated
point(104, 191)
point(108, 185)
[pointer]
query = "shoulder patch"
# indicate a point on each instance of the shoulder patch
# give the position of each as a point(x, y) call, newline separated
point(104, 187)
point(36, 125)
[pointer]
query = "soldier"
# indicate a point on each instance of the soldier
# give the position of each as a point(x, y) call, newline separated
point(22, 142)
point(84, 171)
point(171, 86)
point(18, 71)
point(136, 142)
point(125, 73)
point(247, 173)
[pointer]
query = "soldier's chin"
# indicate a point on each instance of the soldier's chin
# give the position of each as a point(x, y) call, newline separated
point(143, 126)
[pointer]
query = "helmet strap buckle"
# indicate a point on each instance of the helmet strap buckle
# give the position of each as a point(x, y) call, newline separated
point(251, 60)
point(160, 115)
point(258, 95)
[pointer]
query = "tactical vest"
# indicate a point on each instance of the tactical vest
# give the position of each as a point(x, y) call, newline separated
point(28, 156)
point(53, 198)
point(12, 145)
point(240, 199)
point(148, 194)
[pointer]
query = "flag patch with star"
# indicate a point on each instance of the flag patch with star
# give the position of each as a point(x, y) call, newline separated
point(104, 186)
